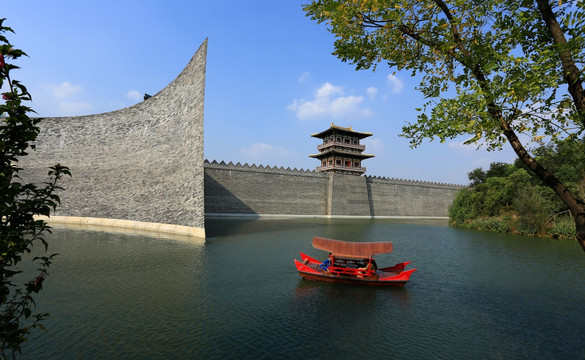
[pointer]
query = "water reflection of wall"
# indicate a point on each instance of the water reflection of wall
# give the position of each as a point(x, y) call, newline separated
point(251, 190)
point(143, 163)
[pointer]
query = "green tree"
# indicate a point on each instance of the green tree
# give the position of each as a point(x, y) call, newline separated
point(510, 199)
point(491, 70)
point(496, 169)
point(461, 208)
point(477, 176)
point(499, 169)
point(566, 160)
point(533, 212)
point(19, 204)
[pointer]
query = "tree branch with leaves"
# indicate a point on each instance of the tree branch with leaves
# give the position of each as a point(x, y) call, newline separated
point(20, 203)
point(491, 70)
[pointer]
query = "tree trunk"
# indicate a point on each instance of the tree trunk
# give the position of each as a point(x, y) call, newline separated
point(575, 84)
point(571, 72)
point(580, 226)
point(576, 206)
point(571, 75)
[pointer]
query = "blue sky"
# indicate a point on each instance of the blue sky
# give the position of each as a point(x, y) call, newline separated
point(271, 79)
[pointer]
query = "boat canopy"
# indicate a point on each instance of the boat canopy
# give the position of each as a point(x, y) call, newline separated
point(348, 249)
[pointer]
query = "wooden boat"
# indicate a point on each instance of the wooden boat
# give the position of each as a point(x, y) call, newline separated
point(352, 262)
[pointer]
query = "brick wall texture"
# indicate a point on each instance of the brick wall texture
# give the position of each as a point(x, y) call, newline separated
point(141, 163)
point(145, 163)
point(252, 190)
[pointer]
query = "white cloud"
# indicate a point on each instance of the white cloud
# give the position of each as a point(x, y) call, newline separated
point(307, 109)
point(374, 144)
point(74, 108)
point(482, 162)
point(256, 149)
point(472, 147)
point(305, 76)
point(62, 91)
point(134, 95)
point(460, 146)
point(261, 149)
point(329, 102)
point(372, 91)
point(328, 89)
point(348, 104)
point(395, 83)
point(470, 157)
point(65, 99)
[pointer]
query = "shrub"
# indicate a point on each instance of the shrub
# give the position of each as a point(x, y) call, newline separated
point(19, 204)
point(533, 212)
point(494, 224)
point(564, 228)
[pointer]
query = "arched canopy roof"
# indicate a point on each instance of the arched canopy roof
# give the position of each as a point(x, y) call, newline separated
point(352, 249)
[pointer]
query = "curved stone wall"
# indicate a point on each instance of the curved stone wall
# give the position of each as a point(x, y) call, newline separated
point(143, 163)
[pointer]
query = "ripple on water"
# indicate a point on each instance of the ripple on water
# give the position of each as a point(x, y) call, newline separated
point(239, 296)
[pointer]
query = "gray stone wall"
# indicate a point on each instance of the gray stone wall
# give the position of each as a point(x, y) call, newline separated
point(235, 189)
point(348, 195)
point(141, 163)
point(393, 197)
point(145, 163)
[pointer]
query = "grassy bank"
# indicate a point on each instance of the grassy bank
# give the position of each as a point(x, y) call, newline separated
point(560, 227)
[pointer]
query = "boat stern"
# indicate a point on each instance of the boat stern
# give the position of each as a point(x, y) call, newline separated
point(302, 267)
point(403, 276)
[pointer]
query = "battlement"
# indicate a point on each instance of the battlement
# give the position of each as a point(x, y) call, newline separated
point(257, 190)
point(288, 171)
point(414, 182)
point(254, 167)
point(147, 174)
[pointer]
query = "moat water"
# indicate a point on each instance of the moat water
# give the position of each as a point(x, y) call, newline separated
point(238, 296)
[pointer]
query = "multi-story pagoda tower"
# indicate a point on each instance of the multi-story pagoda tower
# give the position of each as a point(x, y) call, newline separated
point(341, 151)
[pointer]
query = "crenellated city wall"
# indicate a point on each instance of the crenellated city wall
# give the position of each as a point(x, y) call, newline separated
point(142, 168)
point(251, 190)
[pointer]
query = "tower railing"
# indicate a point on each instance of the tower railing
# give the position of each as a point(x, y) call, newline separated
point(335, 143)
point(342, 168)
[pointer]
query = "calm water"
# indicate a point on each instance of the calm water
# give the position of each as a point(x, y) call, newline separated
point(475, 296)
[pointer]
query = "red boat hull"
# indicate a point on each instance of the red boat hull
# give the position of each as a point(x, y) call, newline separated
point(389, 276)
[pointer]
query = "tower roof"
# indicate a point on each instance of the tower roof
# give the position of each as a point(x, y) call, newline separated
point(334, 129)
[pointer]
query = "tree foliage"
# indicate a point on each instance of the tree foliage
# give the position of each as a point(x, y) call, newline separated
point(473, 56)
point(508, 198)
point(20, 202)
point(493, 70)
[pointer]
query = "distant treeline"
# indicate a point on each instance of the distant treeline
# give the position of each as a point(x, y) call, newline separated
point(507, 198)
